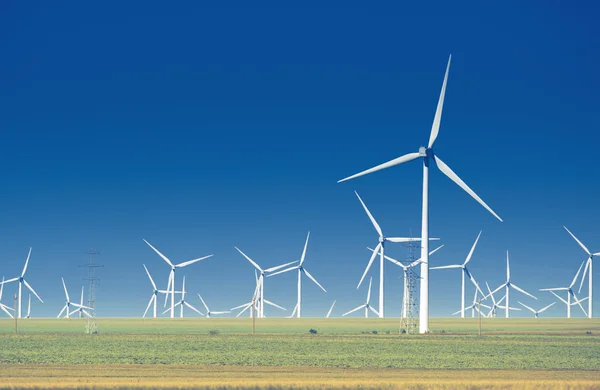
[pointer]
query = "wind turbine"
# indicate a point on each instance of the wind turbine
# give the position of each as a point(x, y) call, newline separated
point(380, 248)
point(474, 306)
point(171, 284)
point(21, 280)
point(406, 269)
point(508, 284)
point(154, 296)
point(301, 270)
point(68, 304)
point(261, 279)
point(588, 268)
point(208, 312)
point(465, 272)
point(183, 303)
point(577, 302)
point(495, 305)
point(428, 157)
point(569, 291)
point(366, 305)
point(536, 313)
point(330, 310)
point(3, 306)
point(80, 310)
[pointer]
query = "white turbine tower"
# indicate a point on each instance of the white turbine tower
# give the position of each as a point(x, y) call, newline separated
point(3, 306)
point(570, 292)
point(261, 280)
point(68, 304)
point(588, 269)
point(301, 270)
point(171, 284)
point(428, 157)
point(80, 311)
point(406, 270)
point(21, 280)
point(508, 284)
point(380, 248)
point(536, 313)
point(366, 305)
point(183, 303)
point(29, 308)
point(208, 312)
point(154, 297)
point(465, 272)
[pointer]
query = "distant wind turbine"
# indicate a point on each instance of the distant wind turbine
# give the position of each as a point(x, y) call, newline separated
point(21, 280)
point(155, 292)
point(3, 306)
point(208, 312)
point(536, 313)
point(569, 291)
point(587, 269)
point(366, 305)
point(68, 303)
point(429, 157)
point(301, 270)
point(465, 272)
point(508, 285)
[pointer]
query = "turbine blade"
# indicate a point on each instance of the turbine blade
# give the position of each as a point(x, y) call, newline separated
point(150, 277)
point(186, 263)
point(557, 296)
point(313, 279)
point(373, 310)
point(3, 307)
point(375, 253)
point(274, 305)
point(304, 250)
point(389, 258)
point(579, 242)
point(527, 307)
point(369, 293)
point(26, 262)
point(579, 303)
point(373, 221)
point(543, 309)
point(585, 270)
point(406, 158)
point(330, 310)
point(447, 266)
point(240, 306)
point(193, 308)
point(521, 290)
point(249, 259)
point(555, 289)
point(454, 177)
point(576, 275)
point(204, 303)
point(407, 239)
point(62, 311)
point(437, 119)
point(220, 312)
point(160, 254)
point(149, 304)
point(280, 266)
point(280, 272)
point(246, 308)
point(65, 287)
point(472, 249)
point(353, 310)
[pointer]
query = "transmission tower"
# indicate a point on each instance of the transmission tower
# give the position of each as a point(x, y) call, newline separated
point(91, 326)
point(409, 315)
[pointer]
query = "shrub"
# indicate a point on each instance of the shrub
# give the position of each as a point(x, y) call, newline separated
point(213, 332)
point(375, 332)
point(588, 332)
point(312, 331)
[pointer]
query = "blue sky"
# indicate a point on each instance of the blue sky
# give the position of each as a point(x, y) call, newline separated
point(202, 128)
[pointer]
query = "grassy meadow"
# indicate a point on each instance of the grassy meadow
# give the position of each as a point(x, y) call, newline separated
point(519, 353)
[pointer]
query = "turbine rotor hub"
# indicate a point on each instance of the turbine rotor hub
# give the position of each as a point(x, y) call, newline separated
point(381, 239)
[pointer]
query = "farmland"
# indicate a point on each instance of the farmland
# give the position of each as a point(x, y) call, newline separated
point(519, 352)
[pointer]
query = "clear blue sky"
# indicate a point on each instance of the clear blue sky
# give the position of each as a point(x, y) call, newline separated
point(201, 128)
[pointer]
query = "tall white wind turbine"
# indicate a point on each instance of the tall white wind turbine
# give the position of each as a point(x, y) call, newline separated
point(155, 292)
point(569, 291)
point(301, 270)
point(536, 313)
point(171, 283)
point(406, 269)
point(508, 285)
point(587, 269)
point(366, 305)
point(576, 302)
point(261, 280)
point(428, 156)
point(208, 312)
point(68, 303)
point(80, 311)
point(380, 248)
point(21, 280)
point(183, 303)
point(3, 307)
point(465, 272)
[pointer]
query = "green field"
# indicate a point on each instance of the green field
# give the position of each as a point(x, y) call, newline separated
point(558, 352)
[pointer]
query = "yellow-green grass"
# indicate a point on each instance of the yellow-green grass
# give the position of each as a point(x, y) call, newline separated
point(145, 376)
point(339, 326)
